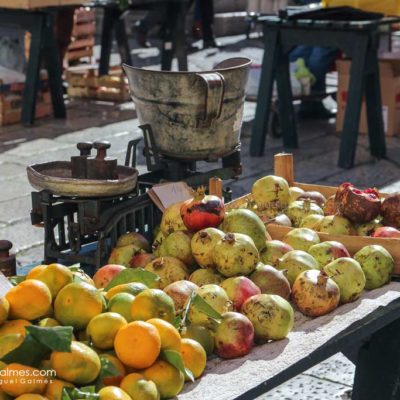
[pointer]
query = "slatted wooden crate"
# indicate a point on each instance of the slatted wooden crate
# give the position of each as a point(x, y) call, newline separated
point(284, 167)
point(82, 40)
point(83, 81)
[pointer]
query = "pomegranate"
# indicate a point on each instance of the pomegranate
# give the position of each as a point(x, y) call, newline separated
point(273, 250)
point(202, 246)
point(315, 294)
point(294, 193)
point(177, 245)
point(326, 252)
point(271, 191)
point(281, 219)
point(295, 262)
point(171, 220)
point(271, 281)
point(386, 232)
point(368, 228)
point(312, 221)
point(299, 209)
point(141, 259)
point(105, 274)
point(179, 292)
point(134, 238)
point(271, 315)
point(216, 297)
point(349, 276)
point(123, 255)
point(246, 222)
point(330, 207)
point(336, 225)
point(313, 196)
point(390, 210)
point(158, 240)
point(205, 276)
point(239, 289)
point(377, 264)
point(301, 238)
point(169, 269)
point(234, 336)
point(235, 254)
point(357, 205)
point(200, 334)
point(202, 212)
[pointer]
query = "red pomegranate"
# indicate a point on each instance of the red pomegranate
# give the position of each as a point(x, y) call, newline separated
point(386, 232)
point(358, 205)
point(391, 210)
point(201, 213)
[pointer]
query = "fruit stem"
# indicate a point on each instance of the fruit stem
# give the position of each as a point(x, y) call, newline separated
point(322, 278)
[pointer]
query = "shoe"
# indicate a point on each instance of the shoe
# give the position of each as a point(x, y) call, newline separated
point(197, 30)
point(210, 44)
point(314, 110)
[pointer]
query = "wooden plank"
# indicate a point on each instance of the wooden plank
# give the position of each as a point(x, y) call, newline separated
point(87, 29)
point(311, 341)
point(77, 54)
point(84, 15)
point(28, 4)
point(79, 43)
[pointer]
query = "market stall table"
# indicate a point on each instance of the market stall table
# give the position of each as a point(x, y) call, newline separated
point(372, 322)
point(359, 40)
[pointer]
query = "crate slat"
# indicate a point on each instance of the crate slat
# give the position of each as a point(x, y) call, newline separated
point(81, 43)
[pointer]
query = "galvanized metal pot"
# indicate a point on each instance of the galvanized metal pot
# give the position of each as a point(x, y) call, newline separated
point(193, 115)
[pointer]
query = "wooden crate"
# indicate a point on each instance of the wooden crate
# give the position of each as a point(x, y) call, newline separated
point(30, 4)
point(84, 82)
point(284, 167)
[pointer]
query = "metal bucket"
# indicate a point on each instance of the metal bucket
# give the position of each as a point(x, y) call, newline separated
point(193, 115)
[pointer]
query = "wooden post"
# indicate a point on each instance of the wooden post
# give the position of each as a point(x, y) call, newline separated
point(215, 187)
point(284, 167)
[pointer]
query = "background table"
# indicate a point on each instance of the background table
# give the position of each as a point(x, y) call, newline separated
point(359, 40)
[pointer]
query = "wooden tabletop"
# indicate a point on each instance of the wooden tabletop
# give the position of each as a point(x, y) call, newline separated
point(310, 342)
point(34, 4)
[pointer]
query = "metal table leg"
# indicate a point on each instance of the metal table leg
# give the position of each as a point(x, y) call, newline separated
point(259, 130)
point(53, 65)
point(33, 69)
point(348, 142)
point(106, 40)
point(378, 366)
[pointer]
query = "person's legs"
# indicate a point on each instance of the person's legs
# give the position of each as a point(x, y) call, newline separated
point(301, 52)
point(207, 17)
point(154, 16)
point(320, 62)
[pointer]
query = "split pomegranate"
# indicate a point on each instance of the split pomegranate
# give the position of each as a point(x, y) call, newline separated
point(391, 210)
point(201, 213)
point(358, 205)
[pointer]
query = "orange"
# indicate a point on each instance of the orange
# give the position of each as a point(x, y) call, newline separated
point(55, 277)
point(194, 356)
point(4, 309)
point(80, 366)
point(48, 322)
point(138, 387)
point(170, 337)
point(118, 366)
point(132, 288)
point(30, 396)
point(10, 342)
point(31, 299)
point(77, 303)
point(20, 379)
point(200, 334)
point(168, 379)
point(113, 393)
point(153, 303)
point(103, 327)
point(138, 344)
point(15, 326)
point(35, 271)
point(121, 303)
point(55, 388)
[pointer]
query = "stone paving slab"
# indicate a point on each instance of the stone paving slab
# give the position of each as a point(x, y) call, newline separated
point(14, 210)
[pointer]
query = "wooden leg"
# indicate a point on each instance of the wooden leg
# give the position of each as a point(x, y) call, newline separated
point(348, 142)
point(122, 41)
point(378, 366)
point(106, 40)
point(53, 65)
point(33, 68)
point(286, 110)
point(374, 108)
point(260, 124)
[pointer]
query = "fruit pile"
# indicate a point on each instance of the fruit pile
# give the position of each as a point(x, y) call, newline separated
point(212, 282)
point(350, 211)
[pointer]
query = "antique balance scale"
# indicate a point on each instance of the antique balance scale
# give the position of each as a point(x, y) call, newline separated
point(85, 204)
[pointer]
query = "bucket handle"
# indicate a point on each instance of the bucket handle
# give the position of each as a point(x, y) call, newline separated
point(215, 90)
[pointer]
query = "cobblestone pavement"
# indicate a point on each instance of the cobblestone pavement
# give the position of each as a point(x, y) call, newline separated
point(315, 162)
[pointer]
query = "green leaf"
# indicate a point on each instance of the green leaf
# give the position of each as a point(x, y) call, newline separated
point(107, 368)
point(177, 322)
point(30, 352)
point(185, 312)
point(88, 392)
point(134, 275)
point(15, 280)
point(56, 338)
point(175, 359)
point(66, 393)
point(75, 267)
point(201, 305)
